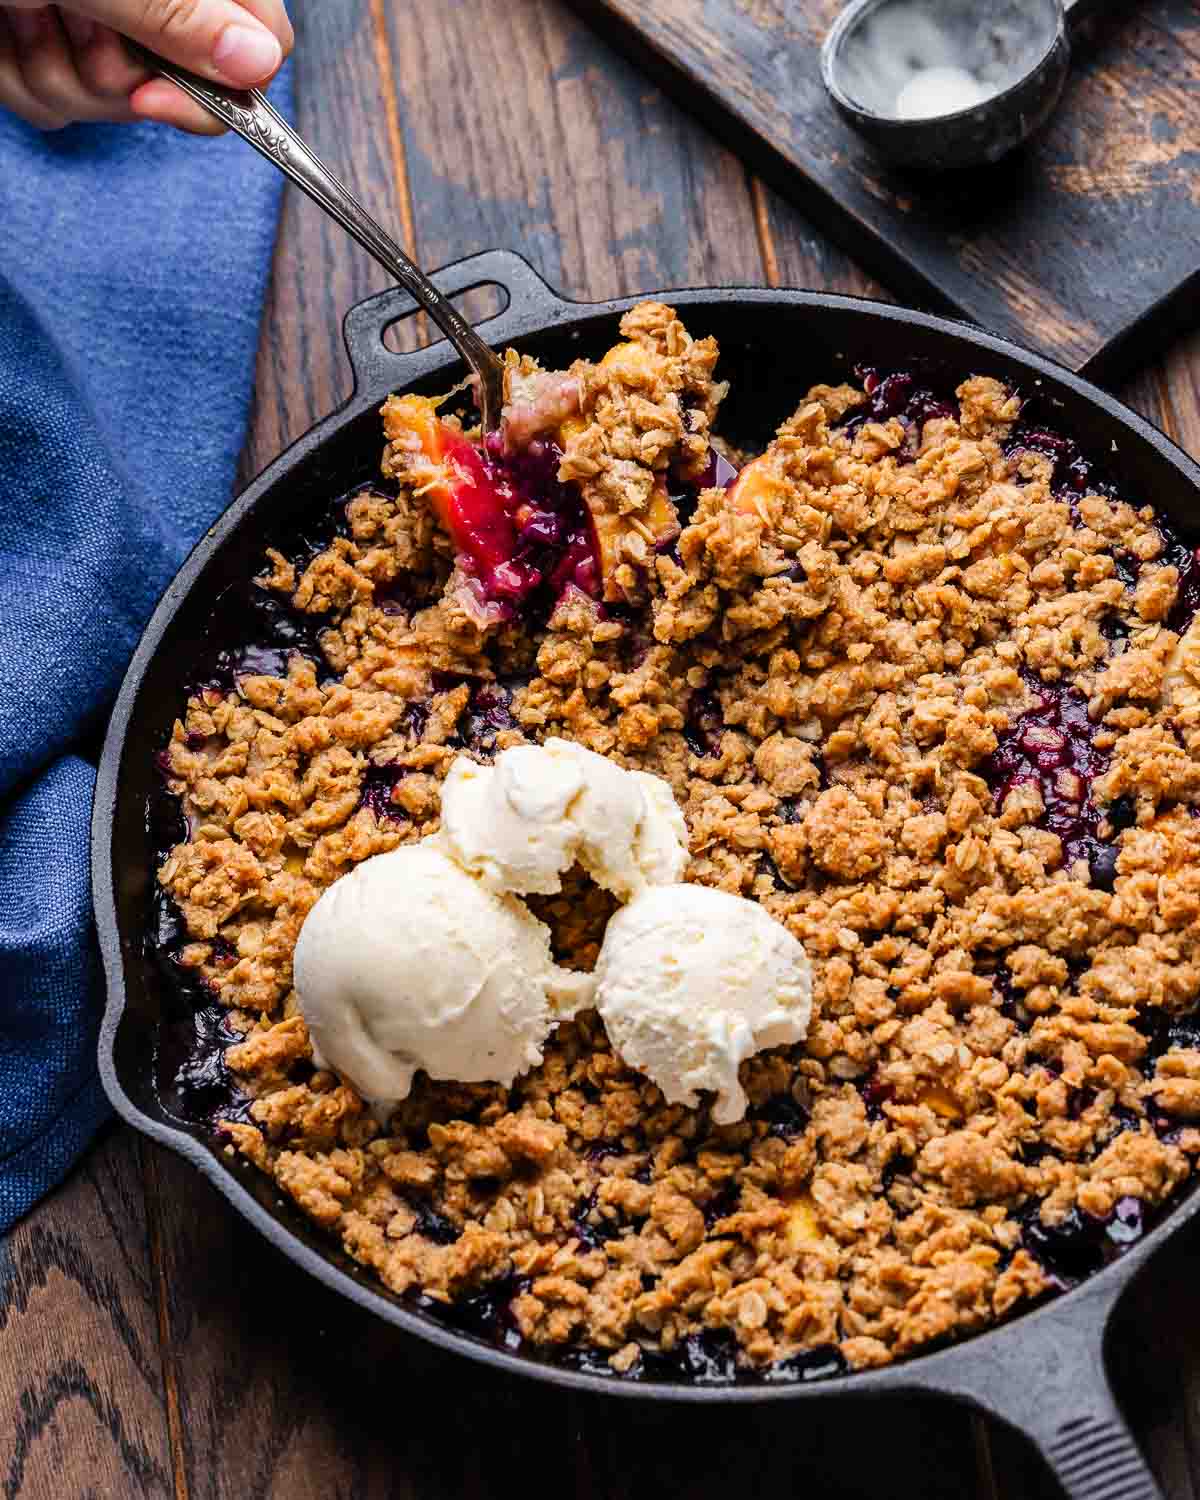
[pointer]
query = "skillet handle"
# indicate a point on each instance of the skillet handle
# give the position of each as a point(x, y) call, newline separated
point(530, 303)
point(1052, 1386)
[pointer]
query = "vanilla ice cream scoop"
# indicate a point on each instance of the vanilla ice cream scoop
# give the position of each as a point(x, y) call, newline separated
point(691, 981)
point(407, 962)
point(521, 823)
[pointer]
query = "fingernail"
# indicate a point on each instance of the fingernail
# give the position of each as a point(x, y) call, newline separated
point(26, 24)
point(81, 29)
point(247, 54)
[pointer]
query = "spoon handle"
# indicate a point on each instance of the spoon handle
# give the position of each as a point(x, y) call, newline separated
point(250, 115)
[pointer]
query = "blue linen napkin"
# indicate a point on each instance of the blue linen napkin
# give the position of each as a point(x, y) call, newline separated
point(133, 262)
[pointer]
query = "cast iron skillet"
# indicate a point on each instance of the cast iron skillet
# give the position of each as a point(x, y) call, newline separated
point(1044, 1371)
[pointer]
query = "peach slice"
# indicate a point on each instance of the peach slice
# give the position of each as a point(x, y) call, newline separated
point(472, 499)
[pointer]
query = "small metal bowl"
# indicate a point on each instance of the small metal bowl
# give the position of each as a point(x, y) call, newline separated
point(1017, 49)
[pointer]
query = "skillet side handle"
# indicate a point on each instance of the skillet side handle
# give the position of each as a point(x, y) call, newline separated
point(529, 303)
point(1052, 1386)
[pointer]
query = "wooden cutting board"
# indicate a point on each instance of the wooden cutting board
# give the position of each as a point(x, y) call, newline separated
point(1085, 244)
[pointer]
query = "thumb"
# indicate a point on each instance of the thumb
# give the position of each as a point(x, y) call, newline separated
point(218, 39)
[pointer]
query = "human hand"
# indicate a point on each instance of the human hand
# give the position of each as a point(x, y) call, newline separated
point(63, 63)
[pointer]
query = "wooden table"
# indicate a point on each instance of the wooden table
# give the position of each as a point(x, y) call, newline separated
point(150, 1343)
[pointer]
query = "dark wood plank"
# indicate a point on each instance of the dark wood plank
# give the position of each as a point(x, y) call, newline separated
point(522, 130)
point(81, 1381)
point(1084, 245)
point(302, 369)
point(1158, 1373)
point(797, 254)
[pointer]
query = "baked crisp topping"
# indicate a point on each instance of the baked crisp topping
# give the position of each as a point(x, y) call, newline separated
point(926, 690)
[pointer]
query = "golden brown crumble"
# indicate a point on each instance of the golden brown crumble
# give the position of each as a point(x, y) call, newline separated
point(821, 667)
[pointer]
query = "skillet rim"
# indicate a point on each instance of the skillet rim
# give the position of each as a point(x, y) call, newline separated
point(547, 311)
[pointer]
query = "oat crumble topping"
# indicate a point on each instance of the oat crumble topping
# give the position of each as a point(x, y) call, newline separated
point(923, 691)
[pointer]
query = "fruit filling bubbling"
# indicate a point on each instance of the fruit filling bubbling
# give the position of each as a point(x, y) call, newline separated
point(1052, 746)
point(524, 534)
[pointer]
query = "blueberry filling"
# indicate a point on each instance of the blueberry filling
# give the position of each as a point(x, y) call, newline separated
point(1167, 1033)
point(1127, 1224)
point(783, 1117)
point(1072, 475)
point(634, 647)
point(202, 1083)
point(770, 869)
point(588, 1361)
point(1068, 1250)
point(378, 786)
point(415, 717)
point(875, 1094)
point(708, 1358)
point(1079, 1244)
point(1121, 814)
point(1011, 1006)
point(488, 1314)
point(191, 1077)
point(1126, 568)
point(434, 1226)
point(604, 1151)
point(1052, 746)
point(398, 597)
point(705, 723)
point(1126, 1119)
point(1102, 866)
point(1079, 1101)
point(166, 824)
point(275, 630)
point(724, 1203)
point(1186, 559)
point(223, 952)
point(593, 1229)
point(488, 712)
point(898, 394)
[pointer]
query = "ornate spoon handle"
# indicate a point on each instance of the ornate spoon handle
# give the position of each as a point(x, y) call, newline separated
point(250, 115)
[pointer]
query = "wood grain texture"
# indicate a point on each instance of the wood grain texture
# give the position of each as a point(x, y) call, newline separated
point(797, 254)
point(523, 130)
point(1071, 244)
point(81, 1388)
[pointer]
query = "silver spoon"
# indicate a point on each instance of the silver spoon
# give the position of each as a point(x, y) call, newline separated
point(249, 114)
